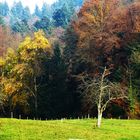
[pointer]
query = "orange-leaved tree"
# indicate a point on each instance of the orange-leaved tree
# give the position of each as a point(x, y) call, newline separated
point(104, 28)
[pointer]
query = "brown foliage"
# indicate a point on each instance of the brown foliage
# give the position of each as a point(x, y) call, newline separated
point(8, 39)
point(104, 27)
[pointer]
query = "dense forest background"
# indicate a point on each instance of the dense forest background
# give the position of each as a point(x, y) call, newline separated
point(45, 55)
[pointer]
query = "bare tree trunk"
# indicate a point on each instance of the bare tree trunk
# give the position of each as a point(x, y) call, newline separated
point(36, 101)
point(100, 111)
point(99, 119)
point(99, 114)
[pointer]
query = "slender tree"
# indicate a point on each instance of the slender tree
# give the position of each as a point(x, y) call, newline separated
point(32, 53)
point(101, 92)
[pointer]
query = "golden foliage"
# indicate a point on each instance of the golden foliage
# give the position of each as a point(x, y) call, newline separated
point(20, 99)
point(18, 67)
point(11, 86)
point(30, 47)
point(2, 62)
point(22, 70)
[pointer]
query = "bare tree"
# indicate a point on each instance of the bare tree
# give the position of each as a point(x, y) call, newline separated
point(101, 91)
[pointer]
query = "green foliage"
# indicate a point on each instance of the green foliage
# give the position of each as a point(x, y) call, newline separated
point(17, 10)
point(56, 102)
point(60, 18)
point(4, 9)
point(20, 27)
point(37, 11)
point(18, 15)
point(71, 40)
point(43, 24)
point(1, 21)
point(26, 15)
point(19, 18)
point(59, 4)
point(64, 11)
point(134, 54)
point(132, 97)
point(46, 11)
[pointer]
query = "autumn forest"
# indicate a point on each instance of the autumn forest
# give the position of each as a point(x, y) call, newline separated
point(70, 59)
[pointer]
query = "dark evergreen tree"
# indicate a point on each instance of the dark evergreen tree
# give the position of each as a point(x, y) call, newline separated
point(20, 27)
point(59, 17)
point(4, 9)
point(17, 10)
point(26, 14)
point(63, 11)
point(43, 24)
point(59, 4)
point(37, 11)
point(55, 99)
point(46, 11)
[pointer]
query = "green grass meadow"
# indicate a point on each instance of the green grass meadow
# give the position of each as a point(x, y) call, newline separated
point(13, 129)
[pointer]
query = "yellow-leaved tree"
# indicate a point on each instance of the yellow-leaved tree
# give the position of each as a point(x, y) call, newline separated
point(9, 85)
point(33, 52)
point(22, 71)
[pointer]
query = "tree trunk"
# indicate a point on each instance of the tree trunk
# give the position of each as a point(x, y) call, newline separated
point(36, 108)
point(36, 101)
point(99, 119)
point(100, 111)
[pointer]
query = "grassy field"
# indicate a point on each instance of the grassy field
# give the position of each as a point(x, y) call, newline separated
point(12, 129)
